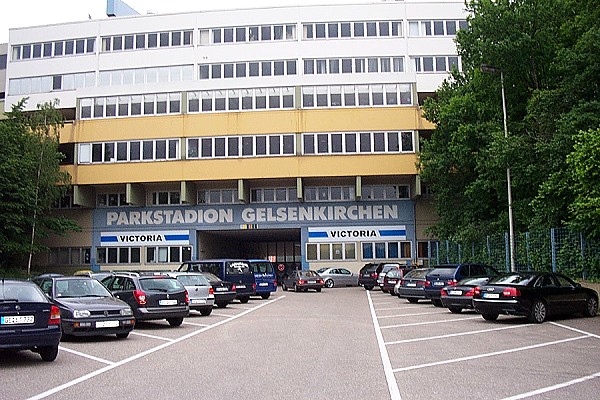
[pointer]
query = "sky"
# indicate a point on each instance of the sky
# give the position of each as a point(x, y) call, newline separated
point(24, 13)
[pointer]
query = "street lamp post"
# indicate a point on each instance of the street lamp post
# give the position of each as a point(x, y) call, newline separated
point(511, 232)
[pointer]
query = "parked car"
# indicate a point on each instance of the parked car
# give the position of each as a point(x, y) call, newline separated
point(151, 297)
point(235, 271)
point(368, 274)
point(338, 277)
point(392, 277)
point(535, 295)
point(303, 280)
point(224, 291)
point(458, 297)
point(200, 291)
point(264, 275)
point(412, 285)
point(387, 267)
point(449, 275)
point(87, 308)
point(28, 320)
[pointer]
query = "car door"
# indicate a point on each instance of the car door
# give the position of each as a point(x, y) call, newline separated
point(551, 292)
point(572, 299)
point(346, 277)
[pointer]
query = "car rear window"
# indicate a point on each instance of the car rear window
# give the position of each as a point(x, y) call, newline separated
point(512, 279)
point(442, 271)
point(307, 273)
point(417, 273)
point(161, 284)
point(237, 267)
point(21, 292)
point(193, 280)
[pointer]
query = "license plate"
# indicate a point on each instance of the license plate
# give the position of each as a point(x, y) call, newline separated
point(241, 286)
point(263, 284)
point(18, 319)
point(107, 324)
point(491, 295)
point(221, 289)
point(455, 292)
point(198, 301)
point(392, 281)
point(439, 283)
point(411, 284)
point(312, 281)
point(170, 302)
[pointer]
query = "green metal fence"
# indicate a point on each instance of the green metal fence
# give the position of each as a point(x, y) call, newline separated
point(559, 250)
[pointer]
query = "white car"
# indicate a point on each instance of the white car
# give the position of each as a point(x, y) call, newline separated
point(338, 277)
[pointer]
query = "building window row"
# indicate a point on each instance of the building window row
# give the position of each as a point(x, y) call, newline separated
point(127, 106)
point(58, 48)
point(436, 63)
point(111, 200)
point(163, 198)
point(385, 192)
point(217, 196)
point(131, 151)
point(170, 254)
point(241, 99)
point(65, 201)
point(436, 27)
point(118, 255)
point(274, 195)
point(64, 256)
point(330, 251)
point(357, 95)
point(386, 250)
point(141, 76)
point(243, 34)
point(329, 193)
point(353, 65)
point(358, 142)
point(52, 83)
point(241, 146)
point(142, 41)
point(248, 69)
point(340, 30)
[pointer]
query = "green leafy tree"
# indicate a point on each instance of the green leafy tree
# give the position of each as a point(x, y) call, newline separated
point(31, 182)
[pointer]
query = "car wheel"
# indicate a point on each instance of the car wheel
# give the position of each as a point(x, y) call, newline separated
point(490, 317)
point(265, 295)
point(329, 283)
point(244, 299)
point(412, 300)
point(392, 293)
point(123, 335)
point(538, 312)
point(175, 321)
point(296, 288)
point(591, 307)
point(455, 310)
point(318, 289)
point(222, 304)
point(368, 287)
point(436, 302)
point(49, 353)
point(205, 311)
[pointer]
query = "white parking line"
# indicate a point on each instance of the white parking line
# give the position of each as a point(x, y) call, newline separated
point(553, 387)
point(429, 322)
point(409, 315)
point(144, 353)
point(194, 324)
point(422, 339)
point(385, 358)
point(495, 353)
point(575, 329)
point(85, 355)
point(151, 336)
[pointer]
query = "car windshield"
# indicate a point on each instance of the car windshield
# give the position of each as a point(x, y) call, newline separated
point(261, 267)
point(20, 292)
point(80, 288)
point(237, 267)
point(162, 284)
point(193, 280)
point(321, 270)
point(512, 279)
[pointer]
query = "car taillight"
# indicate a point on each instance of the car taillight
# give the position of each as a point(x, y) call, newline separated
point(211, 291)
point(427, 283)
point(470, 293)
point(511, 292)
point(187, 297)
point(374, 275)
point(477, 291)
point(233, 288)
point(443, 292)
point(54, 316)
point(402, 282)
point(301, 281)
point(452, 282)
point(274, 283)
point(140, 297)
point(321, 281)
point(254, 286)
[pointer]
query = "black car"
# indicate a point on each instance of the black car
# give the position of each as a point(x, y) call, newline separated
point(449, 275)
point(368, 275)
point(224, 292)
point(412, 285)
point(458, 297)
point(535, 295)
point(151, 297)
point(87, 308)
point(302, 280)
point(28, 320)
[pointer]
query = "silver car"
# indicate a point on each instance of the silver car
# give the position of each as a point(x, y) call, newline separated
point(338, 277)
point(200, 291)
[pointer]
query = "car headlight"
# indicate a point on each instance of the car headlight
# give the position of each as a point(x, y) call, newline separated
point(126, 312)
point(81, 313)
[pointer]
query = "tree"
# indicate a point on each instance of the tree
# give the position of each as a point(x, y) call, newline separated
point(31, 182)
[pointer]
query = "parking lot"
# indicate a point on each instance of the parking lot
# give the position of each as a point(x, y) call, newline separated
point(342, 343)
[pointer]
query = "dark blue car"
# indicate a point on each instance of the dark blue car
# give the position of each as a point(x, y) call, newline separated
point(264, 274)
point(28, 320)
point(449, 275)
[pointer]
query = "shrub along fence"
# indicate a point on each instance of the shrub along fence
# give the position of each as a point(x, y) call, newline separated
point(557, 249)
